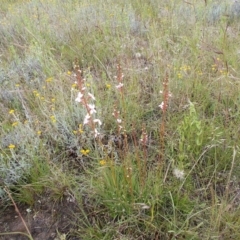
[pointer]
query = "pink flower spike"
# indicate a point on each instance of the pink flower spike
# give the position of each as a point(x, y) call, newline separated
point(120, 85)
point(86, 119)
point(91, 96)
point(97, 121)
point(79, 97)
point(92, 108)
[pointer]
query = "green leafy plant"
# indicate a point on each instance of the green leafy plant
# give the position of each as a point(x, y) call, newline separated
point(191, 135)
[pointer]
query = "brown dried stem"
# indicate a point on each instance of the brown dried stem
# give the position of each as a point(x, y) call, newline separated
point(18, 212)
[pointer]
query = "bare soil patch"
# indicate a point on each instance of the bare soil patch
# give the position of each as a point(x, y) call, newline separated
point(47, 220)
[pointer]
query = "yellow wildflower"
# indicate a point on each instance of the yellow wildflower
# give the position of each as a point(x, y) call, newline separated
point(11, 111)
point(80, 128)
point(74, 85)
point(108, 86)
point(39, 132)
point(49, 79)
point(84, 152)
point(103, 162)
point(179, 75)
point(69, 72)
point(53, 119)
point(11, 146)
point(14, 124)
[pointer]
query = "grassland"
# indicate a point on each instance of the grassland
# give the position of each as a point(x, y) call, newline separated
point(120, 119)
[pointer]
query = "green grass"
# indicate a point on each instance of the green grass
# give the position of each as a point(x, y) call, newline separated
point(150, 173)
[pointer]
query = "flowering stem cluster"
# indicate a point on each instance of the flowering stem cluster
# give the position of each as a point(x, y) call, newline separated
point(116, 115)
point(84, 97)
point(166, 96)
point(119, 87)
point(119, 116)
point(120, 80)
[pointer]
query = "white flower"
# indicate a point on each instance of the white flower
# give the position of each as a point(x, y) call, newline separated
point(86, 119)
point(96, 133)
point(98, 121)
point(138, 55)
point(92, 108)
point(178, 173)
point(91, 96)
point(79, 97)
point(119, 120)
point(161, 105)
point(28, 210)
point(145, 206)
point(120, 85)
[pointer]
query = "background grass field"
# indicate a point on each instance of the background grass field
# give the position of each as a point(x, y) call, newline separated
point(150, 149)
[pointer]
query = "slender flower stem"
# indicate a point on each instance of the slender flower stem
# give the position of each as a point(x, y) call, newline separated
point(164, 107)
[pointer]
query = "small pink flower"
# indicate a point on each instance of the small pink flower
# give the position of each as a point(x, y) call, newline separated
point(119, 86)
point(161, 105)
point(144, 139)
point(79, 97)
point(98, 121)
point(92, 108)
point(119, 120)
point(96, 133)
point(91, 96)
point(86, 119)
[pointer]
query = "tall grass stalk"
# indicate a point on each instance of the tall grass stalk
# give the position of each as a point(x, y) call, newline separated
point(162, 130)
